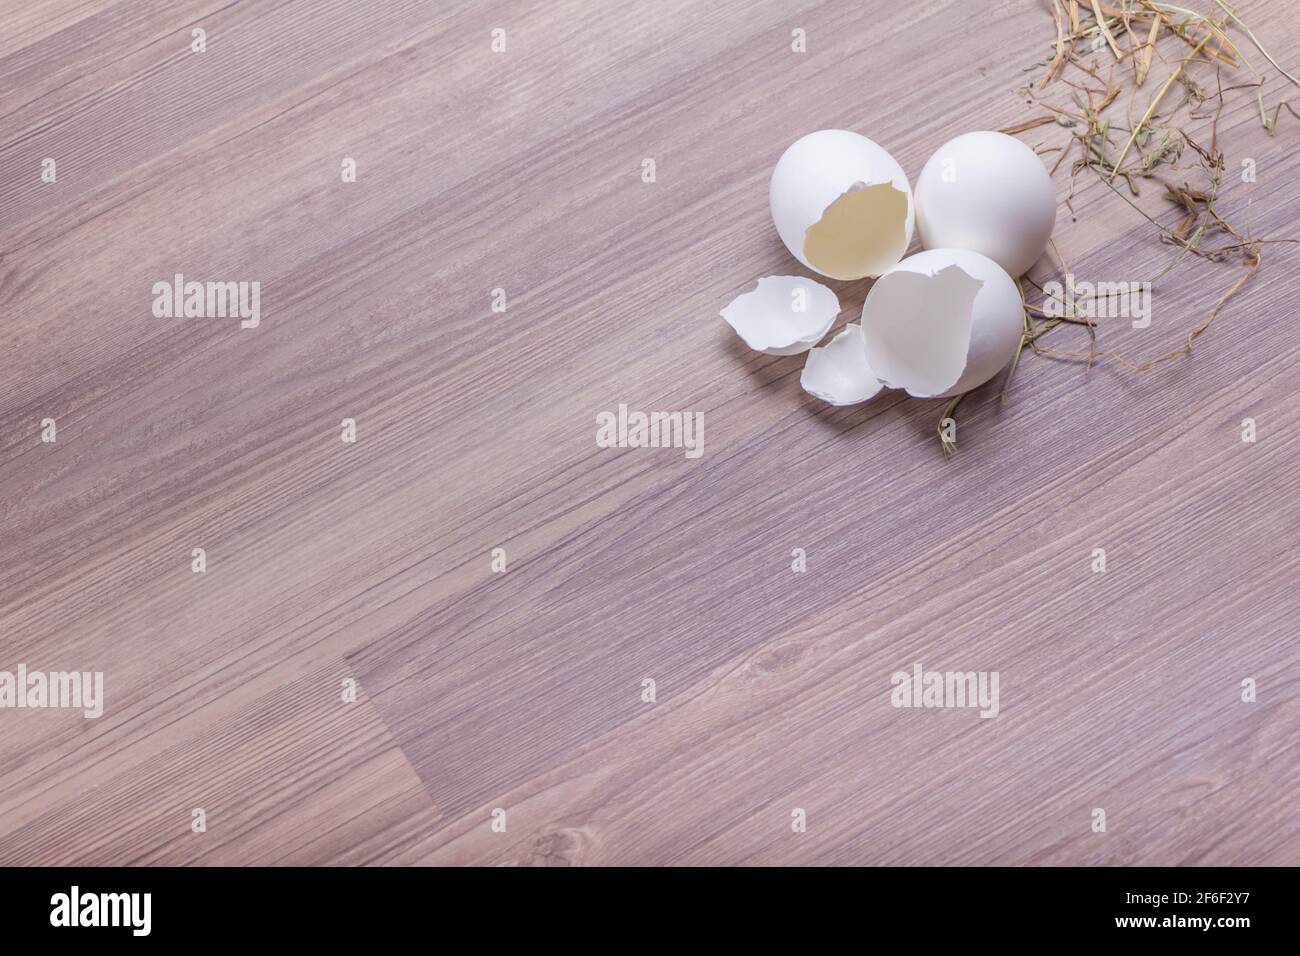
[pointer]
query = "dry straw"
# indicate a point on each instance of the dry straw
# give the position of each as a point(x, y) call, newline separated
point(1160, 147)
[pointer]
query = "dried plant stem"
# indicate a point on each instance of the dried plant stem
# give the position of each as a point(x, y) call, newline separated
point(1160, 95)
point(1159, 146)
point(1058, 61)
point(1148, 50)
point(949, 446)
point(1026, 335)
point(1251, 264)
point(1180, 30)
point(1187, 242)
point(1027, 125)
point(1271, 125)
point(1258, 46)
point(1105, 31)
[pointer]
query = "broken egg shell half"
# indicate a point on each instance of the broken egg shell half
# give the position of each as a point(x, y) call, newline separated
point(783, 315)
point(838, 372)
point(941, 322)
point(990, 193)
point(842, 205)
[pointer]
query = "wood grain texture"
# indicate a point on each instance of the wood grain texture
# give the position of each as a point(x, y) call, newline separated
point(522, 690)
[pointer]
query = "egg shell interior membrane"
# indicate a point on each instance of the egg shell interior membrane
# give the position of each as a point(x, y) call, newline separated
point(862, 233)
point(917, 328)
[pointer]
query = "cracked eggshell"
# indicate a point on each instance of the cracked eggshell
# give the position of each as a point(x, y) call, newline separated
point(783, 315)
point(941, 322)
point(842, 205)
point(838, 372)
point(990, 193)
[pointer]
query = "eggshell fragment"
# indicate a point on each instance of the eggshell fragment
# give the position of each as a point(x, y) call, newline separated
point(941, 322)
point(842, 205)
point(990, 193)
point(783, 315)
point(838, 372)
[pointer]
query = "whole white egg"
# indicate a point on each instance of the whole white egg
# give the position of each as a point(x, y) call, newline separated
point(990, 193)
point(842, 205)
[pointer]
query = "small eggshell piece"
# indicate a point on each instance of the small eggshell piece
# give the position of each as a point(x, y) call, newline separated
point(783, 315)
point(838, 372)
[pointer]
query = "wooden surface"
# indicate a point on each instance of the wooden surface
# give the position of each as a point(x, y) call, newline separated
point(522, 690)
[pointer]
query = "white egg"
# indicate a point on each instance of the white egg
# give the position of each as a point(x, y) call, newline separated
point(990, 193)
point(842, 205)
point(941, 322)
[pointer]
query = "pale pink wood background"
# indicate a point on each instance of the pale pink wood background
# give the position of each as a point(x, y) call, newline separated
point(476, 430)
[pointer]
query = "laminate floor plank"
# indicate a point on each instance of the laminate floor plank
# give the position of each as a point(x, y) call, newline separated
point(365, 569)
